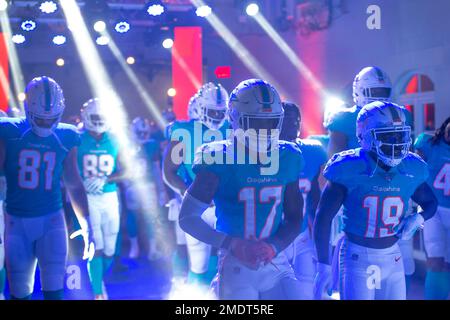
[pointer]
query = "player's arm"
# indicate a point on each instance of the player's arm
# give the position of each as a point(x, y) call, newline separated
point(196, 200)
point(291, 224)
point(312, 200)
point(75, 188)
point(170, 170)
point(426, 199)
point(331, 200)
point(338, 142)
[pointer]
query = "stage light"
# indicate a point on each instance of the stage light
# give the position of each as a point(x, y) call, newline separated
point(172, 92)
point(122, 27)
point(18, 38)
point(3, 5)
point(28, 25)
point(100, 26)
point(203, 11)
point(167, 43)
point(131, 60)
point(155, 8)
point(48, 6)
point(60, 62)
point(102, 40)
point(334, 103)
point(252, 9)
point(21, 96)
point(59, 40)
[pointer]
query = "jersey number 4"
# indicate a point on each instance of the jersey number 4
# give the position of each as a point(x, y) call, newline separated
point(391, 211)
point(266, 195)
point(442, 181)
point(30, 163)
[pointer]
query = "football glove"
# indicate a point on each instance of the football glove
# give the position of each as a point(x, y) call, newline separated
point(94, 185)
point(89, 245)
point(322, 282)
point(247, 252)
point(409, 225)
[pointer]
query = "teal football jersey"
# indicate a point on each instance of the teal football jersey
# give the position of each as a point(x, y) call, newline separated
point(376, 200)
point(249, 204)
point(196, 134)
point(34, 166)
point(314, 157)
point(98, 157)
point(438, 158)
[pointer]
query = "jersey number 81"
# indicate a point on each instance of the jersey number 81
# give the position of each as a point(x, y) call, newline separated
point(30, 163)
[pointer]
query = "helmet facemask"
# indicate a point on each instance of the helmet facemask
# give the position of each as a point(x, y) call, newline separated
point(213, 117)
point(96, 123)
point(43, 126)
point(391, 144)
point(261, 133)
point(375, 94)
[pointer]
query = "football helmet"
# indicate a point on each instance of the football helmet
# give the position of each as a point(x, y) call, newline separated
point(44, 105)
point(212, 100)
point(255, 104)
point(141, 129)
point(193, 112)
point(371, 84)
point(382, 127)
point(94, 116)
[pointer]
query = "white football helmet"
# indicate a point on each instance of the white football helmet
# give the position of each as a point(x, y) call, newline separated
point(193, 112)
point(93, 114)
point(382, 127)
point(371, 84)
point(141, 129)
point(44, 105)
point(212, 100)
point(255, 104)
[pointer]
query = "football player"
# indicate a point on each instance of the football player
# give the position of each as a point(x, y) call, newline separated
point(210, 111)
point(435, 150)
point(258, 211)
point(35, 153)
point(374, 184)
point(370, 84)
point(302, 252)
point(98, 162)
point(149, 183)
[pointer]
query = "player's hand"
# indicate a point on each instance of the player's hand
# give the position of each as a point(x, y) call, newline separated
point(94, 185)
point(322, 281)
point(246, 251)
point(265, 252)
point(409, 225)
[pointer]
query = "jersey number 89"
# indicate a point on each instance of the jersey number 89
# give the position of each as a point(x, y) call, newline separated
point(97, 165)
point(30, 162)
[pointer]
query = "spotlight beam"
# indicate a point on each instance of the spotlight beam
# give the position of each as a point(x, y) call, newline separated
point(289, 53)
point(239, 49)
point(148, 100)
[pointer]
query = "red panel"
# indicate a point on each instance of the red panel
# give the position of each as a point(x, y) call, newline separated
point(223, 72)
point(4, 74)
point(186, 67)
point(413, 85)
point(429, 117)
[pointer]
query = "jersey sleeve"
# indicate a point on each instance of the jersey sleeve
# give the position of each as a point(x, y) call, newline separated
point(422, 143)
point(419, 167)
point(208, 150)
point(339, 168)
point(337, 122)
point(69, 136)
point(295, 163)
point(8, 127)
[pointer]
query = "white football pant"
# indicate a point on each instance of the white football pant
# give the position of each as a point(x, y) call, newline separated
point(371, 274)
point(274, 281)
point(437, 235)
point(29, 241)
point(105, 221)
point(302, 256)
